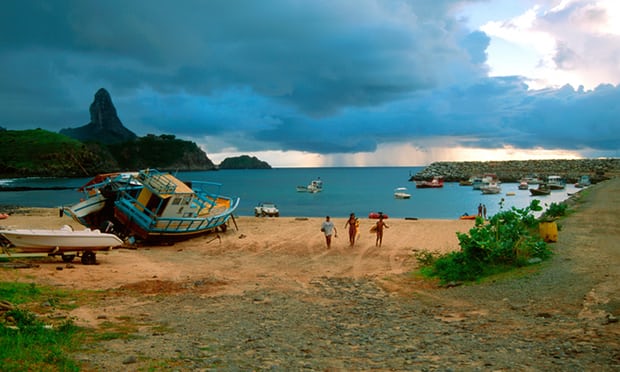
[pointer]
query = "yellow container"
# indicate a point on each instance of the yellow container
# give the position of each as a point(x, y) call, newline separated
point(548, 231)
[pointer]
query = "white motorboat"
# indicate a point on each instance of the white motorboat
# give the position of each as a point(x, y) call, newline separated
point(33, 240)
point(401, 193)
point(491, 188)
point(62, 242)
point(314, 186)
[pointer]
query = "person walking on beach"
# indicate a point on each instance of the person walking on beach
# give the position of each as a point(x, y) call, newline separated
point(328, 229)
point(484, 211)
point(379, 231)
point(351, 223)
point(480, 210)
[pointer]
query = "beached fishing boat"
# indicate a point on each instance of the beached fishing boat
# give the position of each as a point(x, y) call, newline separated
point(151, 205)
point(65, 242)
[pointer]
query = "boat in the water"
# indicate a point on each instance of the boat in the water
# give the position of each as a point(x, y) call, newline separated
point(491, 188)
point(435, 182)
point(401, 193)
point(584, 181)
point(64, 242)
point(532, 180)
point(479, 182)
point(523, 185)
point(541, 190)
point(556, 183)
point(153, 206)
point(313, 186)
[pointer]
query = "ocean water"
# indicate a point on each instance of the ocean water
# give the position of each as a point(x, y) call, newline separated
point(360, 190)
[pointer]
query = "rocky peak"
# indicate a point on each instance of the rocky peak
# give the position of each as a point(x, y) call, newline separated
point(104, 126)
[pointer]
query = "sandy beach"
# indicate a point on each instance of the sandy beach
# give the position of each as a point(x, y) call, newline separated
point(282, 251)
point(270, 296)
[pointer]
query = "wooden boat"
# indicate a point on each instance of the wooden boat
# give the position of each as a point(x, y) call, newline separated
point(156, 206)
point(542, 189)
point(436, 182)
point(64, 242)
point(556, 182)
point(401, 193)
point(3, 216)
point(468, 217)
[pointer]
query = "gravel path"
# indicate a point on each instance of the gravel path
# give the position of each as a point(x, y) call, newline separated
point(559, 316)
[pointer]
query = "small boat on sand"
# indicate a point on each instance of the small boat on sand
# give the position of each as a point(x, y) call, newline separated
point(153, 206)
point(65, 242)
point(377, 215)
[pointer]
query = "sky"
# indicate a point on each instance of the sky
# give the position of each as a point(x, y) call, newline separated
point(322, 83)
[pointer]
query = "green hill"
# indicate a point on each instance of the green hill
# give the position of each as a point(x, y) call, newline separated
point(41, 153)
point(38, 152)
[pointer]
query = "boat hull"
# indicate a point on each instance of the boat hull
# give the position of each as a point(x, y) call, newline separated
point(152, 205)
point(60, 240)
point(537, 192)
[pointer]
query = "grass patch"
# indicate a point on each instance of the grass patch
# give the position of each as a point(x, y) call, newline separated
point(26, 342)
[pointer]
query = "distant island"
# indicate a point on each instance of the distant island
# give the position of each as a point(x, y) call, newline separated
point(243, 162)
point(101, 146)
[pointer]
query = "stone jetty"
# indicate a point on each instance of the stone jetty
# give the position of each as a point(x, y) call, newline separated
point(514, 170)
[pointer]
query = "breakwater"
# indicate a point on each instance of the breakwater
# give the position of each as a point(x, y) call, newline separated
point(514, 170)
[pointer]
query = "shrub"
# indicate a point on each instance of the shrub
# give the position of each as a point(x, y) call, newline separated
point(508, 240)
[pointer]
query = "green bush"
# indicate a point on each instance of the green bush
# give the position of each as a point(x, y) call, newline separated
point(556, 210)
point(508, 240)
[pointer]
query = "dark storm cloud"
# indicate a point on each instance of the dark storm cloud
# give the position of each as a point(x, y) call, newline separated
point(316, 76)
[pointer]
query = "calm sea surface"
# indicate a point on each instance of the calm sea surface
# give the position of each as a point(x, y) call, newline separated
point(359, 190)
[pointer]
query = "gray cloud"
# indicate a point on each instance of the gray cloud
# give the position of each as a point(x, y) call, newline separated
point(316, 76)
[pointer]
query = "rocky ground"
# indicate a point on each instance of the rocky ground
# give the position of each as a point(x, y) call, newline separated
point(561, 315)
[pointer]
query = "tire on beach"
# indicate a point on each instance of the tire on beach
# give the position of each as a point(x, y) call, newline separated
point(67, 257)
point(89, 258)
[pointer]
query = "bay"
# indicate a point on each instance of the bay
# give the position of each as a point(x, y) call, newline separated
point(360, 190)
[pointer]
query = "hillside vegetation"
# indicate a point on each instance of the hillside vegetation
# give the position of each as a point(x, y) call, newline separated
point(43, 153)
point(38, 152)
